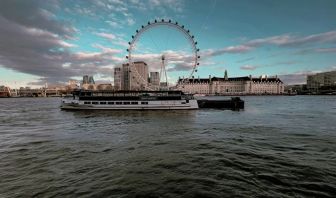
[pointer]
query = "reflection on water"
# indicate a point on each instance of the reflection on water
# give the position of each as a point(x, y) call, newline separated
point(277, 146)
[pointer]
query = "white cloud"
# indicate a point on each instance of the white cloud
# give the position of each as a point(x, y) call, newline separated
point(248, 67)
point(106, 35)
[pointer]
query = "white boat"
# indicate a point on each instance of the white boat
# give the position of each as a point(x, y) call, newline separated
point(129, 100)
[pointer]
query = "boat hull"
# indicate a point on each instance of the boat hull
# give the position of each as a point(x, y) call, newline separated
point(150, 105)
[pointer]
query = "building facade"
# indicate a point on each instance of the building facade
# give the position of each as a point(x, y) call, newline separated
point(88, 80)
point(117, 78)
point(317, 81)
point(134, 77)
point(232, 86)
point(155, 79)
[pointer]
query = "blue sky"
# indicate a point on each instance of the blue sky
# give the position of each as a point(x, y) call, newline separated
point(58, 40)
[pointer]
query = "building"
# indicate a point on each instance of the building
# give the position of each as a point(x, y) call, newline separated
point(134, 77)
point(117, 78)
point(154, 79)
point(85, 79)
point(232, 86)
point(4, 91)
point(72, 85)
point(321, 81)
point(91, 80)
point(88, 80)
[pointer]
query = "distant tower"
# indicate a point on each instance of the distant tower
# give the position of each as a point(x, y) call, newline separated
point(91, 80)
point(85, 79)
point(226, 75)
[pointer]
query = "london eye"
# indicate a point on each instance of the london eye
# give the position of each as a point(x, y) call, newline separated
point(166, 57)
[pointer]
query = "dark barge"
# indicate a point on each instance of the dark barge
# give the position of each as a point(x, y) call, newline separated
point(235, 103)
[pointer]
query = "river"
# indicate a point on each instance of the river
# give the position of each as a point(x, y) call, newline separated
point(279, 146)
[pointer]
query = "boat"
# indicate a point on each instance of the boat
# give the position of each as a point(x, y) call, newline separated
point(129, 100)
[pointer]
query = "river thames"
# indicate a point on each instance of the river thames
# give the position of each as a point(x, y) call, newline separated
point(279, 146)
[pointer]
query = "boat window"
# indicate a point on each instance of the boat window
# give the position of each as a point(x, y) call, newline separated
point(103, 103)
point(187, 101)
point(144, 102)
point(183, 102)
point(127, 103)
point(110, 103)
point(94, 102)
point(87, 102)
point(118, 103)
point(134, 103)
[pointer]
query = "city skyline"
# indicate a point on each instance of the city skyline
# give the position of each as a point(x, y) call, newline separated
point(62, 40)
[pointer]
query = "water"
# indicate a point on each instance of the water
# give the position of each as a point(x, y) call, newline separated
point(278, 146)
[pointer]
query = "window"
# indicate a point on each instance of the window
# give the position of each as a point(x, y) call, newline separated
point(183, 102)
point(144, 102)
point(103, 103)
point(94, 102)
point(118, 103)
point(134, 103)
point(110, 103)
point(87, 102)
point(127, 103)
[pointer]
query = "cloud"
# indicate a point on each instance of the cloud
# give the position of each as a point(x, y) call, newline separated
point(326, 50)
point(130, 21)
point(248, 67)
point(43, 49)
point(115, 39)
point(228, 50)
point(35, 14)
point(289, 40)
point(245, 60)
point(108, 36)
point(286, 40)
point(254, 67)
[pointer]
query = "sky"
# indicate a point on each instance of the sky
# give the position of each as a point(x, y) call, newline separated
point(57, 40)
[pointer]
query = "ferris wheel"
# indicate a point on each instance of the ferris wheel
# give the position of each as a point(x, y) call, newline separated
point(191, 61)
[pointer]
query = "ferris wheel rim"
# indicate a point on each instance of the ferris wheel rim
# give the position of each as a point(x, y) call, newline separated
point(168, 23)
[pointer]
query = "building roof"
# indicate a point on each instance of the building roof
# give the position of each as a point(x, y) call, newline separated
point(243, 78)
